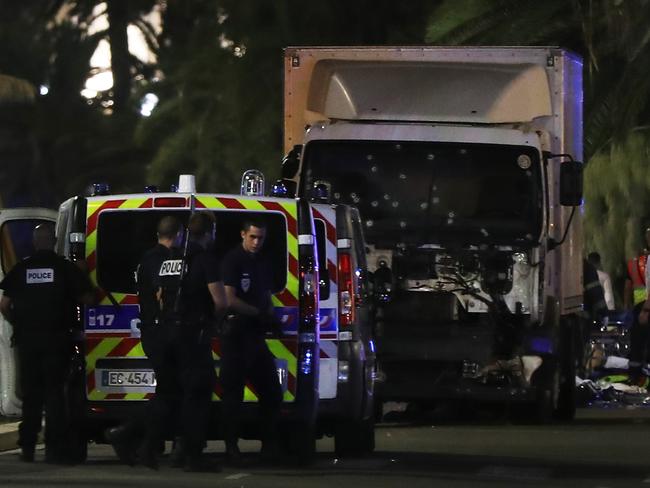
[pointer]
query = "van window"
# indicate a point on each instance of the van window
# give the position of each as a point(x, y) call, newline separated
point(16, 241)
point(323, 271)
point(124, 236)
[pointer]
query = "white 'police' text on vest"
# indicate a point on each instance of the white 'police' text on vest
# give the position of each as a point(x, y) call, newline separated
point(171, 267)
point(39, 275)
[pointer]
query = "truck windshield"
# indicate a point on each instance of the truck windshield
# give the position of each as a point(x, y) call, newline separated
point(124, 236)
point(431, 192)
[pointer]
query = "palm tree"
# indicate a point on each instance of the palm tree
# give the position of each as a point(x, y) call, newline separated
point(221, 98)
point(76, 140)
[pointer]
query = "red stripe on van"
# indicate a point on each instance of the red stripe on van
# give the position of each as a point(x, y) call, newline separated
point(92, 220)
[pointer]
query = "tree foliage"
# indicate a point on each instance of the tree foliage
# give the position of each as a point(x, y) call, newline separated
point(221, 97)
point(218, 77)
point(72, 140)
point(618, 201)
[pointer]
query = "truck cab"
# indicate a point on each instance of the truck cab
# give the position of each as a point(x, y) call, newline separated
point(463, 163)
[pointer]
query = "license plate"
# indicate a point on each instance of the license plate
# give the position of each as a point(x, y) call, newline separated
point(128, 378)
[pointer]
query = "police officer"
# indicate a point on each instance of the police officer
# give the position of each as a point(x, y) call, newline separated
point(180, 296)
point(40, 295)
point(247, 277)
point(594, 310)
point(126, 438)
point(203, 305)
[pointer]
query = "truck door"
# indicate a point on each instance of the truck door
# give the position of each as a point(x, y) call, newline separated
point(16, 227)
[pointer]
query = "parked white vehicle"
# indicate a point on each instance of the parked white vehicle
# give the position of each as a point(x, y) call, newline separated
point(16, 226)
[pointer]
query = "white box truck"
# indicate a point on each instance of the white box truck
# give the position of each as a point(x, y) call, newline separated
point(464, 163)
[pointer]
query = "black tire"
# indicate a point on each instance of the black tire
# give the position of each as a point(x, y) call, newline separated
point(75, 394)
point(378, 411)
point(299, 442)
point(547, 395)
point(565, 409)
point(78, 448)
point(354, 438)
point(546, 383)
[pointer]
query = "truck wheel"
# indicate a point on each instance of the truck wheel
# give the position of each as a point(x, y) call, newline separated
point(565, 408)
point(546, 399)
point(354, 437)
point(546, 381)
point(78, 447)
point(299, 442)
point(378, 410)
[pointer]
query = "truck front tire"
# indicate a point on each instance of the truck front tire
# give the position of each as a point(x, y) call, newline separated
point(354, 437)
point(299, 442)
point(565, 408)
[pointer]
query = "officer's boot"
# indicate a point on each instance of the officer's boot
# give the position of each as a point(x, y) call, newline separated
point(147, 454)
point(179, 455)
point(197, 463)
point(233, 454)
point(270, 452)
point(122, 440)
point(27, 453)
point(27, 444)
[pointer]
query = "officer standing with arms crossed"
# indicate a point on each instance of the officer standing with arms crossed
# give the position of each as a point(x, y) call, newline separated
point(247, 277)
point(40, 296)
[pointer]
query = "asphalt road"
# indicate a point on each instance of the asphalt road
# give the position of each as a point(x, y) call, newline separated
point(602, 448)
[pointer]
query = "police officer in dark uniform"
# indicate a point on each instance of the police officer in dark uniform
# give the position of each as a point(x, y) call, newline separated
point(40, 296)
point(247, 277)
point(203, 304)
point(180, 297)
point(594, 310)
point(126, 438)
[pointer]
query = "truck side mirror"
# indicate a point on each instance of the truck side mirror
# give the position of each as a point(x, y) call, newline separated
point(571, 183)
point(382, 280)
point(291, 163)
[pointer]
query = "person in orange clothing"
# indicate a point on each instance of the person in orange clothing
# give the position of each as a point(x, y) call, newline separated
point(637, 295)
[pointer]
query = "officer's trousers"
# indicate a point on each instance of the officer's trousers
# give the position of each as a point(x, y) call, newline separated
point(245, 357)
point(43, 367)
point(134, 429)
point(639, 339)
point(185, 379)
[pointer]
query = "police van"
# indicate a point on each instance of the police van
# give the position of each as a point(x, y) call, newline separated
point(324, 358)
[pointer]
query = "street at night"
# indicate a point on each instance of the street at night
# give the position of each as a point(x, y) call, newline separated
point(601, 448)
point(360, 243)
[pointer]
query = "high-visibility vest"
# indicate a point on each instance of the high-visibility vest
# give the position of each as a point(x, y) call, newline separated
point(636, 272)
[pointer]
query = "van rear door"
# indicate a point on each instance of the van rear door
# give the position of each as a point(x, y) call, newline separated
point(120, 229)
point(325, 226)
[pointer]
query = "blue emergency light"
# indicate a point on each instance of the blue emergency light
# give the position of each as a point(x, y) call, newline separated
point(279, 189)
point(97, 189)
